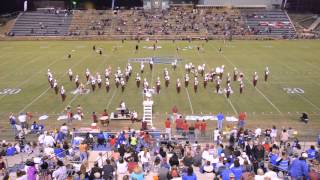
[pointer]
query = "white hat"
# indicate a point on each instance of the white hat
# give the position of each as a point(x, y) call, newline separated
point(304, 155)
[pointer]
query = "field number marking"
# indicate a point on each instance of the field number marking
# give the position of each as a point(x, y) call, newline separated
point(9, 91)
point(294, 90)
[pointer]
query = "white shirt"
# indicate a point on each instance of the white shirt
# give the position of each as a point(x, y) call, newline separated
point(22, 118)
point(64, 129)
point(122, 168)
point(48, 141)
point(144, 158)
point(48, 151)
point(259, 177)
point(60, 173)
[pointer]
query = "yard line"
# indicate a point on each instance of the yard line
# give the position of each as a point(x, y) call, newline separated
point(110, 101)
point(189, 99)
point(44, 92)
point(307, 100)
point(22, 67)
point(261, 93)
point(28, 79)
point(229, 101)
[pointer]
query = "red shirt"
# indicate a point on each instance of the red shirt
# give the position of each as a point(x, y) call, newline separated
point(185, 126)
point(167, 124)
point(197, 125)
point(179, 123)
point(203, 126)
point(242, 116)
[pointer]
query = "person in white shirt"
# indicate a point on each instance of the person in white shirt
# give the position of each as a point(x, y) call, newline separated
point(23, 120)
point(61, 172)
point(122, 166)
point(70, 74)
point(64, 128)
point(145, 158)
point(260, 175)
point(48, 140)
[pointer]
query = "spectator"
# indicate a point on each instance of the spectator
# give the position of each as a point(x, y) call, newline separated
point(83, 151)
point(242, 117)
point(299, 167)
point(96, 172)
point(203, 128)
point(188, 160)
point(311, 152)
point(189, 175)
point(237, 169)
point(61, 172)
point(168, 127)
point(137, 174)
point(122, 166)
point(108, 170)
point(31, 171)
point(220, 118)
point(260, 175)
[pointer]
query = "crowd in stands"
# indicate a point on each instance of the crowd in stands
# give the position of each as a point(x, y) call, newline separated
point(235, 153)
point(174, 21)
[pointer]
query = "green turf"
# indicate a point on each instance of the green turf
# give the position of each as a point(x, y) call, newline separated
point(293, 64)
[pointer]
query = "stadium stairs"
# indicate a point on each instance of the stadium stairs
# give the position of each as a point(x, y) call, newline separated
point(282, 25)
point(314, 25)
point(39, 23)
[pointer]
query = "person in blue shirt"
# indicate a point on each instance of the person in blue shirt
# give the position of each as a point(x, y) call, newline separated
point(224, 171)
point(11, 150)
point(34, 127)
point(220, 118)
point(189, 175)
point(299, 168)
point(311, 152)
point(237, 170)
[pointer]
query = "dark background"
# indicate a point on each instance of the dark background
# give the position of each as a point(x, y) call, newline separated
point(7, 6)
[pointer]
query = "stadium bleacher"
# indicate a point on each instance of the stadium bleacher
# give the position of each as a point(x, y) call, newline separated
point(41, 23)
point(269, 22)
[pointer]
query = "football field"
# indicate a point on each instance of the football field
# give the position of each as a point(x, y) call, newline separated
point(293, 86)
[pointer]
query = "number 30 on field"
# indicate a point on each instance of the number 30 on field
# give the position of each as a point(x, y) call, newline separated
point(294, 90)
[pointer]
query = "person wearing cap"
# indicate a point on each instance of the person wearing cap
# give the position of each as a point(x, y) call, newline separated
point(299, 167)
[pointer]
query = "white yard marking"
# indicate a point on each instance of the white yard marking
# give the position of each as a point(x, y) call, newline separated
point(265, 97)
point(30, 77)
point(44, 92)
point(229, 101)
point(189, 99)
point(308, 101)
point(110, 101)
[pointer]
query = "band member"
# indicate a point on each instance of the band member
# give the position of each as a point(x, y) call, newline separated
point(228, 90)
point(55, 86)
point(165, 72)
point(241, 76)
point(81, 88)
point(220, 49)
point(174, 64)
point(177, 49)
point(266, 74)
point(195, 85)
point(213, 75)
point(201, 69)
point(93, 83)
point(107, 85)
point(63, 94)
point(49, 74)
point(187, 68)
point(123, 84)
point(129, 68)
point(145, 84)
point(69, 56)
point(94, 48)
point(205, 81)
point(221, 71)
point(151, 64)
point(198, 48)
point(127, 75)
point(218, 82)
point(158, 84)
point(117, 82)
point(107, 73)
point(141, 67)
point(99, 80)
point(228, 79)
point(154, 47)
point(100, 51)
point(87, 74)
point(167, 79)
point(255, 79)
point(138, 79)
point(186, 80)
point(178, 86)
point(235, 74)
point(241, 87)
point(51, 81)
point(76, 80)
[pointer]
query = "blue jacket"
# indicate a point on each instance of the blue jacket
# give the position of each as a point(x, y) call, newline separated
point(237, 171)
point(186, 177)
point(273, 159)
point(299, 168)
point(311, 153)
point(224, 172)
